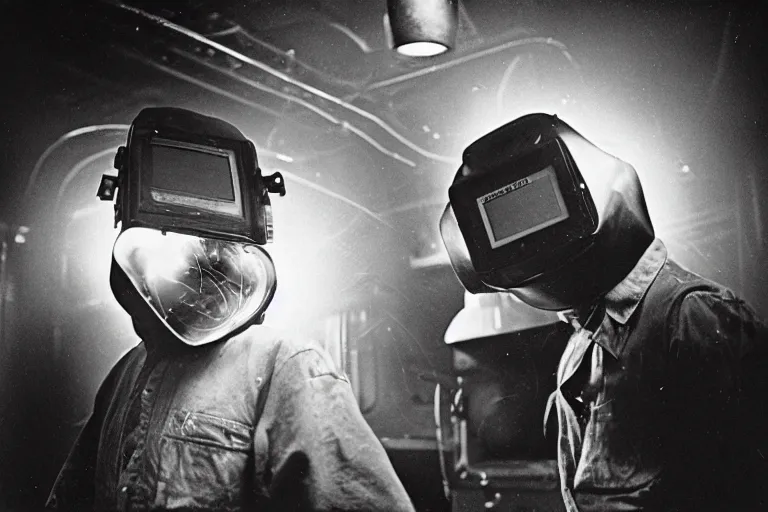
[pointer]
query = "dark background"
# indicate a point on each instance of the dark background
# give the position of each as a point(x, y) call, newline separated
point(369, 142)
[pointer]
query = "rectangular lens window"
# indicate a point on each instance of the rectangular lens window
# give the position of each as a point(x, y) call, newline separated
point(522, 207)
point(195, 176)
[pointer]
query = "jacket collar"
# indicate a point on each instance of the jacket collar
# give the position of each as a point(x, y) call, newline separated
point(622, 301)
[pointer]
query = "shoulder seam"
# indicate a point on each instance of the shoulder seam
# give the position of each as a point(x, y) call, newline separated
point(298, 352)
point(333, 372)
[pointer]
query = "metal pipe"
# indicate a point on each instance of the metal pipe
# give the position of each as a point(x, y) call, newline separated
point(354, 368)
point(57, 143)
point(477, 55)
point(344, 341)
point(440, 442)
point(725, 42)
point(76, 169)
point(288, 55)
point(3, 282)
point(282, 76)
point(504, 82)
point(288, 97)
point(359, 41)
point(200, 83)
point(467, 19)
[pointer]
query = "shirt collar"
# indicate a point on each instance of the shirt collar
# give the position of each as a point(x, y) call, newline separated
point(622, 301)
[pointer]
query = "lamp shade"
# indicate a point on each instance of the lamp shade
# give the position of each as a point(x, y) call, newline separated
point(423, 28)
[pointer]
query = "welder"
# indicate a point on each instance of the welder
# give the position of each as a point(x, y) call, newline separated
point(661, 389)
point(212, 410)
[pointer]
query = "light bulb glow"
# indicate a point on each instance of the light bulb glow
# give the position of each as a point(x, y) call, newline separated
point(421, 49)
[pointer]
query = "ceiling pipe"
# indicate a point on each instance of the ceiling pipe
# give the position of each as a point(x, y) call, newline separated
point(77, 169)
point(465, 21)
point(286, 78)
point(32, 180)
point(547, 41)
point(353, 36)
point(238, 30)
point(261, 87)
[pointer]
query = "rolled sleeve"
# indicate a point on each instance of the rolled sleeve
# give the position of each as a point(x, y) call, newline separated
point(322, 453)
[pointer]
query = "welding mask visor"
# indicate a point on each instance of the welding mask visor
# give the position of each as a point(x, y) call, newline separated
point(539, 211)
point(201, 289)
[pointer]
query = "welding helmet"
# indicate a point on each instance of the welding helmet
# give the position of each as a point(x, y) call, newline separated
point(537, 210)
point(194, 213)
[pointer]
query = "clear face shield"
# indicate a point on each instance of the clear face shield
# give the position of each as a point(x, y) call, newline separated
point(202, 289)
point(194, 210)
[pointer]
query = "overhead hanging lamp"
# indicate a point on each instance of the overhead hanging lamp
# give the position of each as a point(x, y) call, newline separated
point(423, 28)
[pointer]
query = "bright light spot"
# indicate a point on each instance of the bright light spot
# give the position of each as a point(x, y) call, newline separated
point(21, 235)
point(284, 158)
point(303, 272)
point(160, 252)
point(685, 168)
point(85, 212)
point(421, 49)
point(435, 135)
point(88, 239)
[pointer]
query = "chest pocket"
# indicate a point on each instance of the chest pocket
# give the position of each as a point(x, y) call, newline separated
point(617, 453)
point(203, 462)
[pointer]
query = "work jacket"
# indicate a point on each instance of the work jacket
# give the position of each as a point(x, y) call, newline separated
point(661, 397)
point(256, 422)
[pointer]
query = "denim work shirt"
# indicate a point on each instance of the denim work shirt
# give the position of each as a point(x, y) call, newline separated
point(661, 397)
point(253, 423)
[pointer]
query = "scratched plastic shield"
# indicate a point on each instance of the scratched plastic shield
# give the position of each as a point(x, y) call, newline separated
point(202, 289)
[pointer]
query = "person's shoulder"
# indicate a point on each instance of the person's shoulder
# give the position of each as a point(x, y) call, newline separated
point(721, 305)
point(268, 339)
point(132, 357)
point(674, 284)
point(698, 293)
point(673, 274)
point(265, 343)
point(714, 317)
